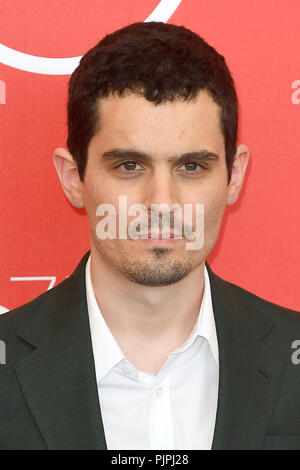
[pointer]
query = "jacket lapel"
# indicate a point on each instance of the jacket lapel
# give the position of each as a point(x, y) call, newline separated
point(250, 370)
point(58, 378)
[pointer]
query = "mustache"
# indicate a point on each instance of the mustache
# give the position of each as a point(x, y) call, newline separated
point(158, 224)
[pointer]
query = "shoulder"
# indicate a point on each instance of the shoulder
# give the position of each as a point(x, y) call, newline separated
point(253, 304)
point(64, 296)
point(19, 316)
point(277, 325)
point(265, 306)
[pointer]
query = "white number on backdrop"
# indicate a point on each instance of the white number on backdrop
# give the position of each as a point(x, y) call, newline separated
point(52, 279)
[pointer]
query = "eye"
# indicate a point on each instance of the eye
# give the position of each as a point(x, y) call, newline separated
point(129, 166)
point(190, 167)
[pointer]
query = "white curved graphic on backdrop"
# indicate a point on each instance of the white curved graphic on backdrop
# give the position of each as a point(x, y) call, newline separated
point(65, 66)
point(3, 309)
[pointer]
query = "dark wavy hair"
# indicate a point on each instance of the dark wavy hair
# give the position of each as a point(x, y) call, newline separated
point(162, 62)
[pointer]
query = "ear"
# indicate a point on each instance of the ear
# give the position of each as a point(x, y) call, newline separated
point(68, 175)
point(239, 167)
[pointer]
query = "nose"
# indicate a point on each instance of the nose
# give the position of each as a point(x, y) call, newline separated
point(163, 190)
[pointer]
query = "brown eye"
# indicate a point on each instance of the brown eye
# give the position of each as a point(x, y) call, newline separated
point(129, 166)
point(190, 166)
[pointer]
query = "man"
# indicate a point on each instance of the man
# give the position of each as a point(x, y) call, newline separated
point(143, 346)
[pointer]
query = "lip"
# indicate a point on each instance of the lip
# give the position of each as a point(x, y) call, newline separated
point(170, 238)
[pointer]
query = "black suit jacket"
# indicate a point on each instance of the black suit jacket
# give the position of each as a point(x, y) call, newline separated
point(48, 390)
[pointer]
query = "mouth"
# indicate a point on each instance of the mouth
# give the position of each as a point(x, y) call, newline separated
point(160, 238)
point(161, 235)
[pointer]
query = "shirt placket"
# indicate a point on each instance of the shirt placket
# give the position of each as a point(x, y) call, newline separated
point(160, 416)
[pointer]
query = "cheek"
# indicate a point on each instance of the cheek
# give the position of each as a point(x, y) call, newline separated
point(214, 199)
point(95, 194)
point(97, 187)
point(213, 215)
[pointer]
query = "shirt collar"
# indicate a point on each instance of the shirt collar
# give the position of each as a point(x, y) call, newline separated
point(104, 341)
point(205, 324)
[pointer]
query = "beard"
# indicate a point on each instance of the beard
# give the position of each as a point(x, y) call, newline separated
point(161, 271)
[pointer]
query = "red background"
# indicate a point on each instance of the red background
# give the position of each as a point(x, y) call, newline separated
point(41, 234)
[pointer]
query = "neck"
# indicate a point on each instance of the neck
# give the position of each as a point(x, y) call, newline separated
point(143, 315)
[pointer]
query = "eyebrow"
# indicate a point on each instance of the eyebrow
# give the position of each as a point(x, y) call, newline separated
point(131, 154)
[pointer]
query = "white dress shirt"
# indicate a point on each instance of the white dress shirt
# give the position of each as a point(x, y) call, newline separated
point(175, 409)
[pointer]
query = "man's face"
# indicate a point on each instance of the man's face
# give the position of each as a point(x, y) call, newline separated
point(133, 126)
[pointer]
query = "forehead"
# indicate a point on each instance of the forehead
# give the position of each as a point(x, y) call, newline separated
point(171, 127)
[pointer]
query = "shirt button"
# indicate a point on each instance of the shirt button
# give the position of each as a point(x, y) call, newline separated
point(159, 391)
